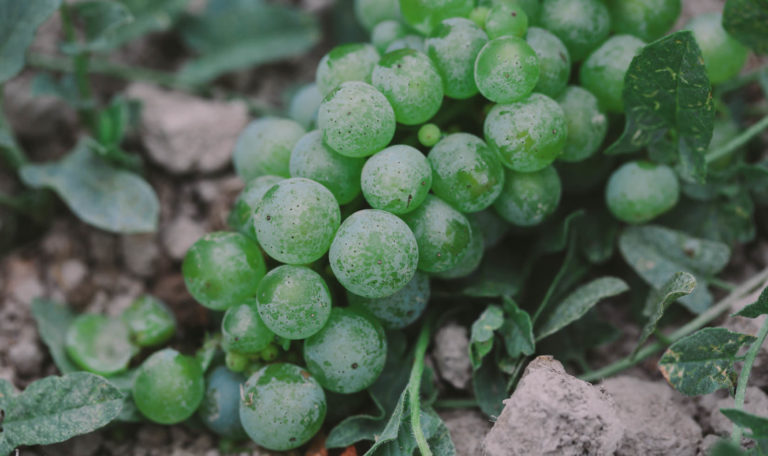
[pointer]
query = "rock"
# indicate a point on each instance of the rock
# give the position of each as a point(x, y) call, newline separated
point(141, 254)
point(751, 326)
point(180, 234)
point(102, 247)
point(654, 422)
point(25, 355)
point(467, 428)
point(707, 443)
point(69, 274)
point(755, 402)
point(553, 413)
point(186, 134)
point(23, 282)
point(451, 353)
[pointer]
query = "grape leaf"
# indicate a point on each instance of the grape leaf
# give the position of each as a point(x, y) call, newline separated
point(53, 320)
point(517, 330)
point(757, 424)
point(98, 193)
point(481, 337)
point(656, 253)
point(579, 302)
point(490, 386)
point(19, 21)
point(703, 362)
point(756, 309)
point(100, 19)
point(667, 94)
point(725, 447)
point(747, 21)
point(597, 235)
point(679, 285)
point(725, 219)
point(56, 409)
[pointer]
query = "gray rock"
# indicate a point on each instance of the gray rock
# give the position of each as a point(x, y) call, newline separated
point(553, 413)
point(467, 428)
point(25, 355)
point(755, 402)
point(451, 353)
point(180, 234)
point(141, 254)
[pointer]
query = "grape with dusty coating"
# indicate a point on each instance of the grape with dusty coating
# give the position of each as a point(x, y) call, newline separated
point(453, 48)
point(506, 69)
point(587, 125)
point(149, 321)
point(346, 62)
point(442, 234)
point(397, 179)
point(527, 135)
point(467, 174)
point(304, 105)
point(554, 61)
point(294, 301)
point(528, 198)
point(429, 135)
point(411, 83)
point(314, 160)
point(223, 269)
point(640, 191)
point(581, 24)
point(506, 20)
point(472, 258)
point(409, 41)
point(282, 406)
point(387, 32)
point(424, 15)
point(400, 309)
point(296, 221)
point(220, 410)
point(490, 225)
point(374, 254)
point(372, 12)
point(645, 19)
point(241, 216)
point(603, 71)
point(243, 331)
point(264, 147)
point(168, 387)
point(348, 354)
point(724, 56)
point(356, 120)
point(99, 344)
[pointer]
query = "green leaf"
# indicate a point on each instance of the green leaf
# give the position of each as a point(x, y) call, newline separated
point(56, 409)
point(757, 424)
point(490, 387)
point(236, 34)
point(124, 382)
point(679, 285)
point(7, 390)
point(579, 302)
point(555, 236)
point(499, 274)
point(724, 447)
point(656, 253)
point(747, 21)
point(757, 308)
point(99, 194)
point(517, 330)
point(53, 320)
point(597, 236)
point(148, 16)
point(729, 220)
point(19, 21)
point(667, 94)
point(702, 362)
point(481, 338)
point(101, 19)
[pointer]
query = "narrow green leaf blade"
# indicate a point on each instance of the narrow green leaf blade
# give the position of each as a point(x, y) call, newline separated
point(53, 320)
point(702, 363)
point(101, 20)
point(148, 16)
point(579, 302)
point(756, 309)
point(757, 424)
point(99, 194)
point(667, 92)
point(679, 285)
point(56, 409)
point(747, 21)
point(517, 330)
point(19, 21)
point(481, 337)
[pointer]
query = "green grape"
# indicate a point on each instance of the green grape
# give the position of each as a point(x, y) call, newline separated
point(528, 198)
point(374, 254)
point(453, 48)
point(640, 191)
point(99, 344)
point(466, 173)
point(411, 84)
point(316, 161)
point(471, 260)
point(424, 15)
point(506, 20)
point(242, 329)
point(270, 353)
point(282, 407)
point(723, 55)
point(532, 8)
point(478, 15)
point(429, 135)
point(241, 216)
point(304, 105)
point(506, 69)
point(386, 32)
point(603, 71)
point(397, 179)
point(223, 269)
point(527, 135)
point(723, 132)
point(491, 227)
point(220, 410)
point(346, 62)
point(168, 387)
point(356, 120)
point(413, 42)
point(581, 24)
point(348, 354)
point(442, 233)
point(554, 61)
point(372, 12)
point(645, 19)
point(237, 362)
point(296, 221)
point(264, 147)
point(294, 301)
point(149, 321)
point(587, 125)
point(400, 309)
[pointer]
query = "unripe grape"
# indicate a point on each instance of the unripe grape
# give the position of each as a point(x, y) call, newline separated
point(386, 32)
point(397, 179)
point(424, 15)
point(506, 20)
point(429, 135)
point(640, 191)
point(99, 344)
point(581, 24)
point(149, 321)
point(645, 19)
point(243, 331)
point(400, 309)
point(506, 69)
point(528, 198)
point(472, 258)
point(491, 227)
point(168, 387)
point(264, 147)
point(346, 62)
point(554, 61)
point(241, 216)
point(220, 410)
point(372, 12)
point(304, 105)
point(409, 41)
point(453, 48)
point(724, 56)
point(604, 70)
point(411, 83)
point(587, 125)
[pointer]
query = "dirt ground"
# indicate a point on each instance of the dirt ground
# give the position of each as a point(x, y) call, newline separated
point(189, 167)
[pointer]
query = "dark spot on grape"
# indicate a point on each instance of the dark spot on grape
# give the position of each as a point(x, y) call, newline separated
point(354, 365)
point(292, 439)
point(305, 374)
point(269, 217)
point(439, 254)
point(237, 339)
point(514, 14)
point(554, 132)
point(378, 262)
point(563, 57)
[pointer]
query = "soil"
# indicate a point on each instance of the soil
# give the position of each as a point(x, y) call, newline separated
point(187, 158)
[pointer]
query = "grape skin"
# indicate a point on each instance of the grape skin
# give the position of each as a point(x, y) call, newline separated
point(400, 309)
point(640, 191)
point(347, 62)
point(397, 179)
point(554, 61)
point(528, 198)
point(264, 147)
point(453, 48)
point(506, 69)
point(220, 409)
point(603, 71)
point(243, 331)
point(241, 216)
point(587, 125)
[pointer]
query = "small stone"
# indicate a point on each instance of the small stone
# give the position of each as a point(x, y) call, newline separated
point(22, 281)
point(180, 234)
point(467, 428)
point(25, 355)
point(102, 247)
point(451, 353)
point(141, 254)
point(69, 274)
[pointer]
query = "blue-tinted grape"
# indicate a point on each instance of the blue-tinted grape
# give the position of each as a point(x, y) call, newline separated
point(400, 309)
point(220, 409)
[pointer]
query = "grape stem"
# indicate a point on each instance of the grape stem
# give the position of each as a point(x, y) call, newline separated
point(741, 388)
point(414, 385)
point(738, 141)
point(697, 323)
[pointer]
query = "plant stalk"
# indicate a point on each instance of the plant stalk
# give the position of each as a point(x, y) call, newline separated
point(414, 387)
point(697, 323)
point(738, 141)
point(741, 388)
point(80, 66)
